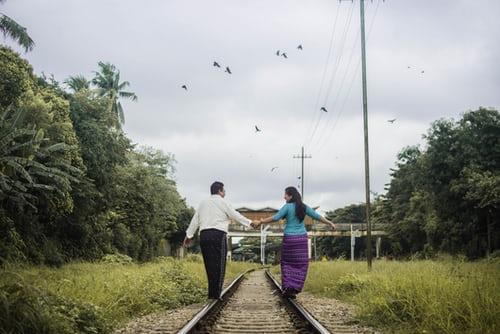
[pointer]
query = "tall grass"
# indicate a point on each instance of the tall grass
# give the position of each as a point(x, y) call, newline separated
point(96, 297)
point(446, 296)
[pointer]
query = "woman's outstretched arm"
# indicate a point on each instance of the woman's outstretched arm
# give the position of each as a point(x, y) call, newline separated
point(266, 220)
point(328, 222)
point(313, 214)
point(280, 215)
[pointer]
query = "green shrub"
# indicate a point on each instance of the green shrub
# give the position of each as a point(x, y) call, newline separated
point(194, 258)
point(52, 254)
point(117, 259)
point(349, 284)
point(25, 308)
point(163, 259)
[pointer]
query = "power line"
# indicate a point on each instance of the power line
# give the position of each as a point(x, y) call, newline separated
point(339, 90)
point(337, 64)
point(325, 70)
point(339, 59)
point(339, 114)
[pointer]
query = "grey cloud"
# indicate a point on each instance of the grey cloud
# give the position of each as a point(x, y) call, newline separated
point(160, 45)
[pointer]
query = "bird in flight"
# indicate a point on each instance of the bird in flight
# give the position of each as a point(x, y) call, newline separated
point(228, 70)
point(216, 64)
point(299, 47)
point(184, 86)
point(278, 52)
point(274, 168)
point(284, 54)
point(323, 109)
point(298, 177)
point(391, 120)
point(422, 71)
point(408, 66)
point(257, 129)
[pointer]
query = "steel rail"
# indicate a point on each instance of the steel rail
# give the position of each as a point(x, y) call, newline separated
point(315, 324)
point(208, 308)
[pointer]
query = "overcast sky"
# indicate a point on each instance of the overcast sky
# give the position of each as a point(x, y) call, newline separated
point(160, 45)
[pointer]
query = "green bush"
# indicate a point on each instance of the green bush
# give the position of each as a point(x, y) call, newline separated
point(194, 258)
point(349, 284)
point(52, 254)
point(25, 308)
point(116, 259)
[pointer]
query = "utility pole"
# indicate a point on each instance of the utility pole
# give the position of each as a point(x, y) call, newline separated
point(302, 156)
point(365, 123)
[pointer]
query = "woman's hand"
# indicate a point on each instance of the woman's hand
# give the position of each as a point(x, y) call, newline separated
point(332, 225)
point(255, 223)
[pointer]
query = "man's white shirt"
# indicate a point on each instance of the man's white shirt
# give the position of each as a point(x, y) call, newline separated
point(215, 212)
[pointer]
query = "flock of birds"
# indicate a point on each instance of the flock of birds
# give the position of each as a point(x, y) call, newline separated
point(228, 70)
point(283, 54)
point(279, 53)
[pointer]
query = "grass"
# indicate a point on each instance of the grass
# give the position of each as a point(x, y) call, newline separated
point(97, 297)
point(444, 296)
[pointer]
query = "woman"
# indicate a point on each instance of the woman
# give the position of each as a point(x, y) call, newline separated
point(294, 249)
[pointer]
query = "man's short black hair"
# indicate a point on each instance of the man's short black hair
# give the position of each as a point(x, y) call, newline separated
point(216, 187)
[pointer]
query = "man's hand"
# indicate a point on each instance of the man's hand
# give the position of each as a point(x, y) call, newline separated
point(187, 242)
point(332, 225)
point(255, 223)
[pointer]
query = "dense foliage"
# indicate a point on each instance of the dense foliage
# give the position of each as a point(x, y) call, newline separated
point(72, 185)
point(444, 197)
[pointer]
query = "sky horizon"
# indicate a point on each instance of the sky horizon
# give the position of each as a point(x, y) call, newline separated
point(426, 60)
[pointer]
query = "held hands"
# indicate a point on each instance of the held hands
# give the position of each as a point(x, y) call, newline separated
point(187, 242)
point(255, 223)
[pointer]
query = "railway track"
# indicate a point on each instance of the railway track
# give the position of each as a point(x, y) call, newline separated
point(252, 303)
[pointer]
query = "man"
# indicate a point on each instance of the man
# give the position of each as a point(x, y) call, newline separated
point(212, 218)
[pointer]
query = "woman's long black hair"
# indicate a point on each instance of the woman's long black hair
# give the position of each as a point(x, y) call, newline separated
point(300, 208)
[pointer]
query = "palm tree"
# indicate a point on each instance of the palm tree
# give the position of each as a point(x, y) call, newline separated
point(25, 169)
point(109, 86)
point(77, 83)
point(14, 30)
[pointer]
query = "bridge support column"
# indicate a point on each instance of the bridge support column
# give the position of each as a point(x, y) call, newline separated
point(377, 246)
point(309, 247)
point(229, 248)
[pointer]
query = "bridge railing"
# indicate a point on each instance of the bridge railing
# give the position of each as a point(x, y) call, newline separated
point(279, 227)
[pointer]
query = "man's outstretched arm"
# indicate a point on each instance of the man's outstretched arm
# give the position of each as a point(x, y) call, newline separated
point(235, 215)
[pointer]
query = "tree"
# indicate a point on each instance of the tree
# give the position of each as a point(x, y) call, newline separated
point(446, 197)
point(341, 247)
point(146, 205)
point(77, 83)
point(16, 77)
point(109, 86)
point(71, 184)
point(14, 30)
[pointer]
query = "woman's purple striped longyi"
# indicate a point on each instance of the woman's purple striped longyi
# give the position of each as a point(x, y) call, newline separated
point(294, 262)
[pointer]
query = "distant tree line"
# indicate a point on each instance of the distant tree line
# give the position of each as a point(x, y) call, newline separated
point(72, 185)
point(444, 197)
